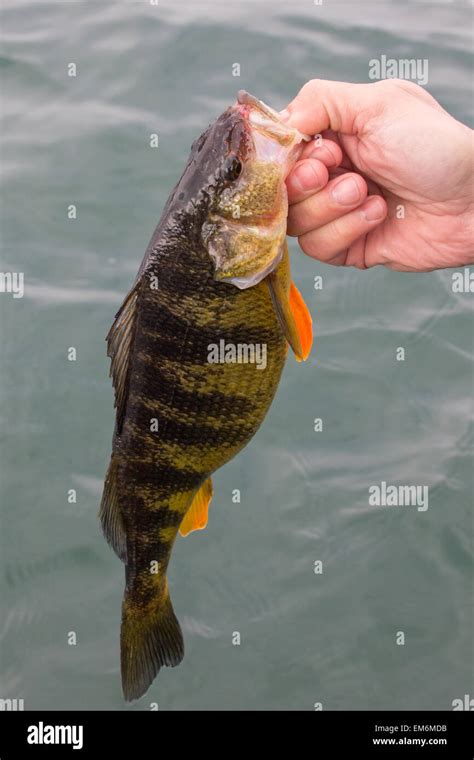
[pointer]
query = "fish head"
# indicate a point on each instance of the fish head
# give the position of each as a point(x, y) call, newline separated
point(245, 225)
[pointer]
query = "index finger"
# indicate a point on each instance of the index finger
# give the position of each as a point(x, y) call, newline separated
point(322, 104)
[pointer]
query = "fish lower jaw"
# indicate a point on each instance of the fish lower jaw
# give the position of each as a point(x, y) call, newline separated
point(254, 278)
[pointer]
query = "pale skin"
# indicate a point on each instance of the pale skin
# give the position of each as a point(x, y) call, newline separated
point(389, 181)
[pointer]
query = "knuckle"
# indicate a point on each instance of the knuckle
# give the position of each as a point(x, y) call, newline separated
point(310, 86)
point(400, 84)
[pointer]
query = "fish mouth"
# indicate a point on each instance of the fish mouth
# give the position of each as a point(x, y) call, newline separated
point(246, 233)
point(244, 98)
point(264, 122)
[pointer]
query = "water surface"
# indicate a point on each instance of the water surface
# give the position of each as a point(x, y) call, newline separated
point(305, 637)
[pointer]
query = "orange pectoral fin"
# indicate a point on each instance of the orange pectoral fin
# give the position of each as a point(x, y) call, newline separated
point(303, 321)
point(196, 517)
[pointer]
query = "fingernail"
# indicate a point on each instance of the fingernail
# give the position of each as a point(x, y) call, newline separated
point(373, 209)
point(305, 177)
point(284, 115)
point(346, 192)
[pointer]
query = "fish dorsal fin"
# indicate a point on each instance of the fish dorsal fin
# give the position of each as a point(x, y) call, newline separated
point(110, 515)
point(303, 321)
point(197, 515)
point(119, 344)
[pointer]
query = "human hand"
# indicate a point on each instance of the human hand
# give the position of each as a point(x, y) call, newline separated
point(400, 168)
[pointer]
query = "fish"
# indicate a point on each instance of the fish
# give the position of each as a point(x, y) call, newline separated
point(215, 273)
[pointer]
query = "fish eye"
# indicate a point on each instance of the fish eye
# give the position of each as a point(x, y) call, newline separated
point(232, 167)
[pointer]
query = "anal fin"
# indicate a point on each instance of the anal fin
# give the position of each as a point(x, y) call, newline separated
point(197, 515)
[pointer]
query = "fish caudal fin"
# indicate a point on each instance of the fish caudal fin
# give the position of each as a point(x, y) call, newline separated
point(148, 641)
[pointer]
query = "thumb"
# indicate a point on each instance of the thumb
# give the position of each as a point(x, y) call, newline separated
point(340, 106)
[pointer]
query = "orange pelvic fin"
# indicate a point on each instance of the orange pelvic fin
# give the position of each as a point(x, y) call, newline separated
point(197, 515)
point(303, 321)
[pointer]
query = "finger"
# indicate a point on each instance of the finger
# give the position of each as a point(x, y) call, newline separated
point(338, 197)
point(372, 186)
point(328, 243)
point(340, 106)
point(333, 138)
point(327, 151)
point(306, 178)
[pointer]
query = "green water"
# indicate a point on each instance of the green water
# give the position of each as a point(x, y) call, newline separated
point(305, 637)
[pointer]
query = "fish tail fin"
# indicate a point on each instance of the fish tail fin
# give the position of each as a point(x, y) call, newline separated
point(148, 641)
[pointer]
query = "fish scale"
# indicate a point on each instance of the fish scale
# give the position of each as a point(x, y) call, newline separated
point(158, 482)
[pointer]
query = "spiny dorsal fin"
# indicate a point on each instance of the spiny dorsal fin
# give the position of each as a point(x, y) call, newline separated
point(197, 515)
point(119, 345)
